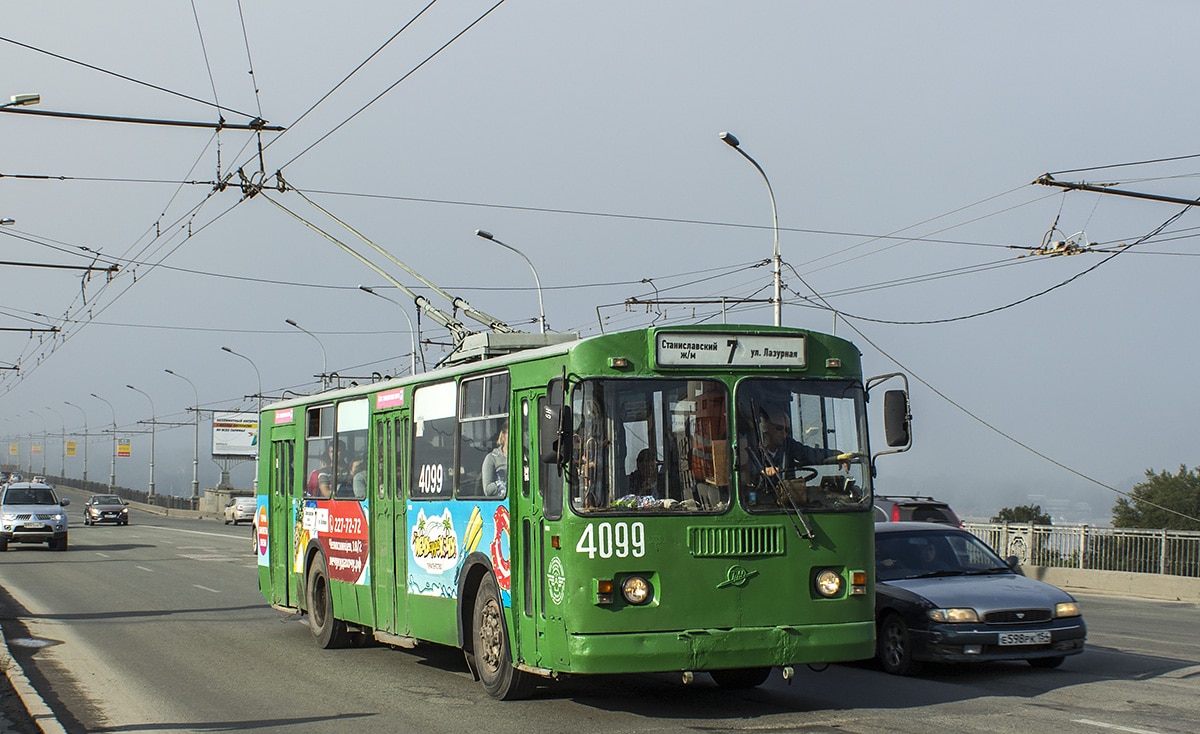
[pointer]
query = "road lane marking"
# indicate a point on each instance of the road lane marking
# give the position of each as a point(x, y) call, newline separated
point(143, 568)
point(1115, 727)
point(103, 555)
point(205, 588)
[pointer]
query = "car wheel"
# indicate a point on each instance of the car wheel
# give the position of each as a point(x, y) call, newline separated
point(894, 647)
point(326, 630)
point(226, 521)
point(1053, 662)
point(740, 677)
point(3, 545)
point(493, 660)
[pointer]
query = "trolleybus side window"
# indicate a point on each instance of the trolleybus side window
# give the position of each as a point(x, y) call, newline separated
point(483, 436)
point(318, 450)
point(350, 473)
point(650, 446)
point(434, 429)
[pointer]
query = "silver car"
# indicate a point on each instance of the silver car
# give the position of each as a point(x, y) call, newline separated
point(32, 513)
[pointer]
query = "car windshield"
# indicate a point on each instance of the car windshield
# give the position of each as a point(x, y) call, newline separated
point(933, 553)
point(801, 444)
point(106, 499)
point(29, 497)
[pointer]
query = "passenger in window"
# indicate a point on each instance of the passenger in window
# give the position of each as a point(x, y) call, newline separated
point(358, 473)
point(645, 479)
point(495, 466)
point(324, 486)
point(326, 467)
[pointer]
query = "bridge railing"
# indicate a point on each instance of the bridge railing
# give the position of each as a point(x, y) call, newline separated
point(1164, 552)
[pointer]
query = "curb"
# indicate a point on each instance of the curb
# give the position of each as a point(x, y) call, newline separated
point(41, 714)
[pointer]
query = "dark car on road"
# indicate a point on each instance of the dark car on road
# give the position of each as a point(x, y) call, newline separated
point(32, 513)
point(105, 508)
point(943, 595)
point(896, 508)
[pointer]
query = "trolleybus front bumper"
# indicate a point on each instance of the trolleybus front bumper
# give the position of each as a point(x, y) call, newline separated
point(716, 649)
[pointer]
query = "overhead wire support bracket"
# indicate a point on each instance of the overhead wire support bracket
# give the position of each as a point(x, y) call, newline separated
point(1048, 180)
point(257, 125)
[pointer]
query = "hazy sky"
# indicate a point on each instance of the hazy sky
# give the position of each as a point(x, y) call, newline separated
point(900, 140)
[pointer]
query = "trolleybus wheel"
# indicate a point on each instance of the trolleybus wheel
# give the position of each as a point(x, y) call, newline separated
point(493, 660)
point(327, 631)
point(740, 677)
point(895, 647)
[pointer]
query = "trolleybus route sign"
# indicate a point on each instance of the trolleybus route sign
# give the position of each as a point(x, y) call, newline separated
point(692, 349)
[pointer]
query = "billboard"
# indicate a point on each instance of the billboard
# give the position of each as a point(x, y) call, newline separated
point(235, 435)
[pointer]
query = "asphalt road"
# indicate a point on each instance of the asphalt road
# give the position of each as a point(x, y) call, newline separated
point(159, 626)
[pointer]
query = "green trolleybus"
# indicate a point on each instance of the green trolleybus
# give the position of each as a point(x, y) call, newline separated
point(689, 499)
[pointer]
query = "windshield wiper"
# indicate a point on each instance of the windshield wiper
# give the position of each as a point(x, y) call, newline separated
point(988, 571)
point(934, 574)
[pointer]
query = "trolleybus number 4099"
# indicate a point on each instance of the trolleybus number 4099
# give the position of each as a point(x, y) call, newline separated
point(621, 539)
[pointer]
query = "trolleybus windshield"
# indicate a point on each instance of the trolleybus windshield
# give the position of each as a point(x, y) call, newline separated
point(801, 444)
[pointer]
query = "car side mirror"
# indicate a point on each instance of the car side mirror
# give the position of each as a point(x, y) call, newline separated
point(65, 501)
point(1014, 563)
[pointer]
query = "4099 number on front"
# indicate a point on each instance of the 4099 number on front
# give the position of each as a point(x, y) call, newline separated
point(608, 539)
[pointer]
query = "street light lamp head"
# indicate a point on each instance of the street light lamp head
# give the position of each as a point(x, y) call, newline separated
point(484, 234)
point(23, 100)
point(226, 349)
point(291, 322)
point(8, 221)
point(365, 289)
point(729, 139)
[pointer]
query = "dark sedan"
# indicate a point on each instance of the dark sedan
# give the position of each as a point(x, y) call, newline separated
point(105, 508)
point(943, 595)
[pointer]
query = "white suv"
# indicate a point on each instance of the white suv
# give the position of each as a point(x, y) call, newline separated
point(32, 513)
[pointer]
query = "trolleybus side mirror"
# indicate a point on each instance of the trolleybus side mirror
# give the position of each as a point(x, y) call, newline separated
point(896, 418)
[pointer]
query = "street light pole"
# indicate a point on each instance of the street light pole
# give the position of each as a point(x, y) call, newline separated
point(45, 440)
point(776, 262)
point(411, 331)
point(62, 470)
point(541, 310)
point(324, 357)
point(112, 475)
point(196, 453)
point(85, 439)
point(256, 375)
point(153, 426)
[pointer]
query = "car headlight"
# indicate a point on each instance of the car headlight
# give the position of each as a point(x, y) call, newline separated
point(829, 583)
point(956, 614)
point(1066, 609)
point(9, 517)
point(636, 590)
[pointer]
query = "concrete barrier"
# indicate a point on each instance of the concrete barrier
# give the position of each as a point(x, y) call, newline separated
point(1118, 583)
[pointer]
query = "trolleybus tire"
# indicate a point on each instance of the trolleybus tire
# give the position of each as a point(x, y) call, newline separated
point(895, 647)
point(328, 631)
point(740, 677)
point(493, 658)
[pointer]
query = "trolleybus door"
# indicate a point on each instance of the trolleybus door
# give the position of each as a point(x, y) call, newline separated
point(284, 592)
point(388, 523)
point(529, 531)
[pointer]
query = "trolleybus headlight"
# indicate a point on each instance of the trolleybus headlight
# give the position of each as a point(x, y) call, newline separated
point(829, 583)
point(636, 590)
